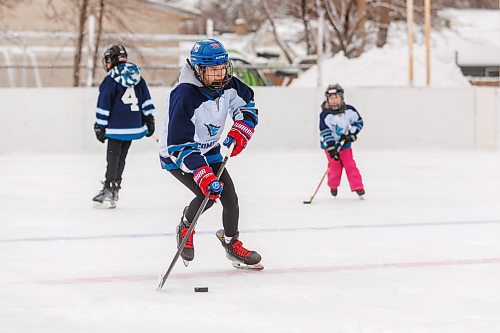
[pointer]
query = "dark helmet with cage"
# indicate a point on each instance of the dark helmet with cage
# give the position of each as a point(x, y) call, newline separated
point(335, 90)
point(210, 63)
point(113, 56)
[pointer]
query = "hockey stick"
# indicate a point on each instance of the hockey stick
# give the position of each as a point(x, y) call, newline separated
point(195, 220)
point(337, 147)
point(317, 188)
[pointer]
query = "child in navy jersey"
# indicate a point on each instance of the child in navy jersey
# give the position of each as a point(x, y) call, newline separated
point(125, 112)
point(189, 142)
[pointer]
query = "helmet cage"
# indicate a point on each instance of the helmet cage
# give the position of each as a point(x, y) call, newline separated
point(211, 78)
point(335, 90)
point(113, 56)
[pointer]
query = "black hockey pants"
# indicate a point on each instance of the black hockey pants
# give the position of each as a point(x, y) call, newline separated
point(115, 156)
point(228, 198)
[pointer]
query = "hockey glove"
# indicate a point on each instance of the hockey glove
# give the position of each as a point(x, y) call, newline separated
point(333, 152)
point(150, 124)
point(100, 133)
point(207, 182)
point(241, 132)
point(351, 137)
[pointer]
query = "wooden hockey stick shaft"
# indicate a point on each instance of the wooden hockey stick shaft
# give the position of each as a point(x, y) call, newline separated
point(317, 188)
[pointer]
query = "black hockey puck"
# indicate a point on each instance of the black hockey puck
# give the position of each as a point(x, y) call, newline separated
point(201, 289)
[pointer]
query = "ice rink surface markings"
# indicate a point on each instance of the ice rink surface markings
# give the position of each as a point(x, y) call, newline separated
point(276, 271)
point(270, 230)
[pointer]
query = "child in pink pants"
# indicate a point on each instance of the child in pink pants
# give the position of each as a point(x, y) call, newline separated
point(339, 125)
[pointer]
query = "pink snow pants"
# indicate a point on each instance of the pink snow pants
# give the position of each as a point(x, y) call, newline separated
point(335, 170)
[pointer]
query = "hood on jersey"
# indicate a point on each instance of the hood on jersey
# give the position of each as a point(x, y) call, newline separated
point(188, 76)
point(127, 74)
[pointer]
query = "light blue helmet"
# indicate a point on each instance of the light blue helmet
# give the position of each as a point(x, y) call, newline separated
point(206, 53)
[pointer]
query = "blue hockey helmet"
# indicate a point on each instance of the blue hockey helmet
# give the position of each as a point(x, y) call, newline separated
point(208, 52)
point(211, 53)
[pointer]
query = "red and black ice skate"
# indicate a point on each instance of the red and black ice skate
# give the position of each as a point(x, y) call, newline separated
point(240, 257)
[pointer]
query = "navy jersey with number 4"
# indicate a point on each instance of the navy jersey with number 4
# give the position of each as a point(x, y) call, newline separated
point(123, 102)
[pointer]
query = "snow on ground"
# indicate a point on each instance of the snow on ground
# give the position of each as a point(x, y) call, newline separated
point(386, 67)
point(420, 254)
point(474, 34)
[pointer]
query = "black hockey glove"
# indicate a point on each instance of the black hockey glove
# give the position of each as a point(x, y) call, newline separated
point(100, 132)
point(150, 124)
point(333, 152)
point(351, 137)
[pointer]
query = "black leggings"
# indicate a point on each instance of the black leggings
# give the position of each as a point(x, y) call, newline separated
point(115, 156)
point(228, 198)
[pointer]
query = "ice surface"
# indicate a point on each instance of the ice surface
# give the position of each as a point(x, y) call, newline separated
point(420, 254)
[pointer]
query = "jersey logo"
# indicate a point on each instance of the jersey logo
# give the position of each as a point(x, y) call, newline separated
point(212, 129)
point(339, 130)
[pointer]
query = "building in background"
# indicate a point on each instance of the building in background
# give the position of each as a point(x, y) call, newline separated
point(38, 39)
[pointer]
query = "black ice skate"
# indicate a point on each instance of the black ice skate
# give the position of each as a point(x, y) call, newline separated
point(240, 257)
point(115, 188)
point(187, 253)
point(334, 192)
point(104, 198)
point(361, 194)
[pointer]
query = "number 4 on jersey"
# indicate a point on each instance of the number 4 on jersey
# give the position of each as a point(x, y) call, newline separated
point(130, 98)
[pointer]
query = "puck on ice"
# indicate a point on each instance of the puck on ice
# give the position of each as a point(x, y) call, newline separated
point(201, 289)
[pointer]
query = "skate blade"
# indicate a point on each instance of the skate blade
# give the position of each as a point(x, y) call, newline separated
point(106, 204)
point(361, 197)
point(240, 265)
point(186, 263)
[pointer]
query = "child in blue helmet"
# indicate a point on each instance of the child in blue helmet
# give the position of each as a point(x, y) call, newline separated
point(125, 112)
point(193, 124)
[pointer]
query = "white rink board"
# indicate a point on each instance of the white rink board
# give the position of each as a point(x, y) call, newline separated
point(56, 120)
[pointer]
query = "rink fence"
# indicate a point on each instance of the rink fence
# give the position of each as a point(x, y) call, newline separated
point(60, 120)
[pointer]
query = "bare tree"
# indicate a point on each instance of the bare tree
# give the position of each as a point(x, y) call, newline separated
point(4, 4)
point(305, 11)
point(280, 43)
point(346, 21)
point(106, 12)
point(382, 17)
point(305, 22)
